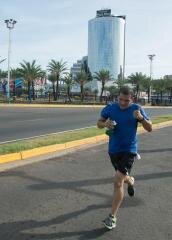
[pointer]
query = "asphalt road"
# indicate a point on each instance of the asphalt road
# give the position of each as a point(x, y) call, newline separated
point(68, 197)
point(18, 123)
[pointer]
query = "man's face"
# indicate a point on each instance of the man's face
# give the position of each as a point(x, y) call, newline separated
point(124, 100)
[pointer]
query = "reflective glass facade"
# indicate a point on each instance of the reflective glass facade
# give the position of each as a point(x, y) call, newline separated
point(106, 44)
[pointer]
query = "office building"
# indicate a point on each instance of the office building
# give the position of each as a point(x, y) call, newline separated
point(106, 43)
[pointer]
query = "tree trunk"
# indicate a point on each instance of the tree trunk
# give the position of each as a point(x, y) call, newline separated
point(68, 94)
point(148, 94)
point(82, 93)
point(33, 89)
point(29, 91)
point(54, 93)
point(101, 93)
point(14, 88)
point(57, 89)
point(161, 96)
point(137, 92)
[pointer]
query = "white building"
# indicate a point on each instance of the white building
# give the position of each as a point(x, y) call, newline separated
point(106, 43)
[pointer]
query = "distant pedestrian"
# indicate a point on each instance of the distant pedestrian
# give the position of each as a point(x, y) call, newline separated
point(121, 118)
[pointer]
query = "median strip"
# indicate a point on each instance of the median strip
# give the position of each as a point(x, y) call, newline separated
point(79, 138)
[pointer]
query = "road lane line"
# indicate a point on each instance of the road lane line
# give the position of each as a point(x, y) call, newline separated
point(44, 135)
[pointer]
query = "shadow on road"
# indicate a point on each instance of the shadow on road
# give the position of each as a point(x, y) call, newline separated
point(43, 184)
point(32, 229)
point(20, 230)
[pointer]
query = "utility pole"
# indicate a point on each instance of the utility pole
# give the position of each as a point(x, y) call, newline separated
point(10, 25)
point(150, 56)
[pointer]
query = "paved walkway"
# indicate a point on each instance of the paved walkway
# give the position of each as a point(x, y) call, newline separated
point(67, 197)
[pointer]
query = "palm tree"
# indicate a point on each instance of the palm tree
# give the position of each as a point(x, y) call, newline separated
point(137, 79)
point(159, 86)
point(52, 79)
point(168, 83)
point(29, 72)
point(119, 82)
point(81, 78)
point(14, 73)
point(68, 80)
point(113, 91)
point(43, 79)
point(3, 75)
point(103, 76)
point(57, 68)
point(43, 75)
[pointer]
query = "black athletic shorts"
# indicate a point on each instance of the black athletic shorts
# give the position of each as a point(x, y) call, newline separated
point(122, 161)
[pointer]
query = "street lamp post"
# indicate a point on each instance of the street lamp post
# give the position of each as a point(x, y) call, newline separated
point(10, 25)
point(123, 70)
point(124, 48)
point(150, 56)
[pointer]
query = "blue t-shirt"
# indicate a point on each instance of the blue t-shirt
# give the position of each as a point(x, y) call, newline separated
point(123, 138)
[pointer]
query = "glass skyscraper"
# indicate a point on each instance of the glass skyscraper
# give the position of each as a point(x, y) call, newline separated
point(106, 39)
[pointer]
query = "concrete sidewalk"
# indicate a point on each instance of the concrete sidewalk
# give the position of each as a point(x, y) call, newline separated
point(68, 197)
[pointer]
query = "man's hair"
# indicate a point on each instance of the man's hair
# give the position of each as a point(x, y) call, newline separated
point(125, 90)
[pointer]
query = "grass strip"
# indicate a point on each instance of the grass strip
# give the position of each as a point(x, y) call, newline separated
point(62, 137)
point(49, 140)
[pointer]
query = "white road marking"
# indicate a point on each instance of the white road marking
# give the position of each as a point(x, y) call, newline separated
point(44, 135)
point(30, 120)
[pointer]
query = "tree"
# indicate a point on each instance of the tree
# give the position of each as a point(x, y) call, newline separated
point(114, 91)
point(57, 69)
point(102, 76)
point(3, 74)
point(14, 73)
point(138, 80)
point(3, 82)
point(52, 79)
point(68, 80)
point(81, 78)
point(119, 82)
point(29, 72)
point(159, 86)
point(168, 83)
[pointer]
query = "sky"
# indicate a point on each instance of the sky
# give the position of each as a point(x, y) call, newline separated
point(58, 29)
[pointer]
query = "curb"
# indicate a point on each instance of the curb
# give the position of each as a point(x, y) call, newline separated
point(58, 148)
point(50, 105)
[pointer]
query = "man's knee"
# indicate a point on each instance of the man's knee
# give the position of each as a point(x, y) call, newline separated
point(119, 180)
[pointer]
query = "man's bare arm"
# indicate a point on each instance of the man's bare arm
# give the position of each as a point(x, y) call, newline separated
point(147, 124)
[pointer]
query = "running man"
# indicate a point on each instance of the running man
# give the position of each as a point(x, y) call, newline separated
point(122, 144)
